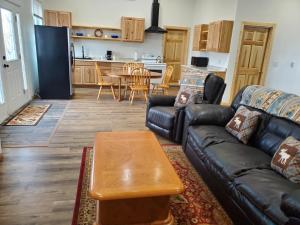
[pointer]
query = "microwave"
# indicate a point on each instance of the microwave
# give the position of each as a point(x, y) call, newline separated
point(200, 61)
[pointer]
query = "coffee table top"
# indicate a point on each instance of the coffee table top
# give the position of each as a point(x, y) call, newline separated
point(131, 165)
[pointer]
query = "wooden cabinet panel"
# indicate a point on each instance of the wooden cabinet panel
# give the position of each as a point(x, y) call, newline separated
point(139, 30)
point(219, 36)
point(65, 19)
point(133, 29)
point(77, 75)
point(57, 18)
point(89, 75)
point(51, 18)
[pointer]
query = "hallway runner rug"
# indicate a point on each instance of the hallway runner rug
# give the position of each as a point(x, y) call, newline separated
point(196, 206)
point(30, 116)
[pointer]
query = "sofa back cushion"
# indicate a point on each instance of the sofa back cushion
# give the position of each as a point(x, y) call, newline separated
point(272, 132)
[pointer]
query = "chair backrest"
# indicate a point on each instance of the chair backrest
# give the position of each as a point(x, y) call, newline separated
point(214, 89)
point(129, 67)
point(140, 77)
point(168, 75)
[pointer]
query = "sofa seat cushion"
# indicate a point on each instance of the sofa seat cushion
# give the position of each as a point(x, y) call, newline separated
point(163, 117)
point(264, 188)
point(231, 159)
point(209, 135)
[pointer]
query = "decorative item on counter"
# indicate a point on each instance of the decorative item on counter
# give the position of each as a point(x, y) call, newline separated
point(106, 36)
point(114, 36)
point(79, 34)
point(98, 32)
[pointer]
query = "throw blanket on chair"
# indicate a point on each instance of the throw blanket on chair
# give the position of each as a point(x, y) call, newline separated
point(275, 102)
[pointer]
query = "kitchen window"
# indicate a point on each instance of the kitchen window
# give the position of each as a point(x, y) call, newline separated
point(37, 10)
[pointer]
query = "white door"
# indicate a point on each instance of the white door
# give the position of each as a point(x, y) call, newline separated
point(12, 77)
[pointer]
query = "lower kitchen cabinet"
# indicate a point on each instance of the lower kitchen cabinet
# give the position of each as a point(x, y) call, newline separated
point(89, 75)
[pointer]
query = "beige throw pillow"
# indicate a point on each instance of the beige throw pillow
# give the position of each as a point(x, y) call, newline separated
point(286, 160)
point(243, 124)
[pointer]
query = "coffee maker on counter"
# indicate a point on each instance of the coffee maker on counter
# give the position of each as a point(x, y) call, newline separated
point(108, 55)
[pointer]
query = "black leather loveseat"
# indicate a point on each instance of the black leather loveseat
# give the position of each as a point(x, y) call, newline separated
point(240, 175)
point(166, 120)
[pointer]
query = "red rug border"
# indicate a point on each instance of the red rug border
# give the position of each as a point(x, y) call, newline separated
point(79, 186)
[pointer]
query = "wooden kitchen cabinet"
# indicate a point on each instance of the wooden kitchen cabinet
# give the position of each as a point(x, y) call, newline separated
point(219, 36)
point(58, 18)
point(200, 37)
point(133, 29)
point(84, 73)
point(89, 75)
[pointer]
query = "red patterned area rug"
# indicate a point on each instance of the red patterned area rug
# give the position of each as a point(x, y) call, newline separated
point(30, 116)
point(196, 206)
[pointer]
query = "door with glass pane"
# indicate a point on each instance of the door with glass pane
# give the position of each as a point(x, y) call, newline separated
point(14, 94)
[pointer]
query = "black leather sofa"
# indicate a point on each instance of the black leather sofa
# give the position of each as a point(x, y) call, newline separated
point(166, 120)
point(239, 175)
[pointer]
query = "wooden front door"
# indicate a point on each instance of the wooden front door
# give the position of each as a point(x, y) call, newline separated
point(252, 57)
point(175, 50)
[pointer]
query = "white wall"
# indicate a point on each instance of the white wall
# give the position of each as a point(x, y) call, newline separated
point(286, 47)
point(109, 13)
point(206, 11)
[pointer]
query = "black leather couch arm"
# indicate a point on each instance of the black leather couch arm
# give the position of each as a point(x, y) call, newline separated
point(161, 100)
point(290, 205)
point(208, 114)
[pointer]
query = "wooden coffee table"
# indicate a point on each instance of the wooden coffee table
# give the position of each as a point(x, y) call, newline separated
point(132, 180)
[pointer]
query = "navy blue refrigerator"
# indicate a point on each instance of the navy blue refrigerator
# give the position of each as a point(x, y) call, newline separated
point(55, 58)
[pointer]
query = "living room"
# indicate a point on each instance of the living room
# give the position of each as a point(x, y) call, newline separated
point(150, 112)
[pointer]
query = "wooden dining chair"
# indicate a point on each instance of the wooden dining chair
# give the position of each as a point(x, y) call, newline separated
point(103, 83)
point(165, 84)
point(139, 82)
point(128, 68)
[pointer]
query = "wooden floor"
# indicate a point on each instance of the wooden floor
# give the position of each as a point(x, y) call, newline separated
point(39, 172)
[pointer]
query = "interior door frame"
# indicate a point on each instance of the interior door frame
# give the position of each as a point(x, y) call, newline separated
point(4, 112)
point(187, 41)
point(272, 28)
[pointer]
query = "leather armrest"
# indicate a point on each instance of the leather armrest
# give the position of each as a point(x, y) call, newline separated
point(208, 114)
point(161, 100)
point(290, 204)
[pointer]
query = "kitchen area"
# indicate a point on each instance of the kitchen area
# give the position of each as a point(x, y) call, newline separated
point(113, 47)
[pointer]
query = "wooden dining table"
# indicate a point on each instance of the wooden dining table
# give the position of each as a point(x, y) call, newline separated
point(121, 75)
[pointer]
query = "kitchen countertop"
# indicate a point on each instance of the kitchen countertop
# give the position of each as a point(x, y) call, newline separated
point(124, 60)
point(208, 68)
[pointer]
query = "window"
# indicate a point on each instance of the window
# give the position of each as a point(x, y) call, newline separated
point(37, 10)
point(8, 26)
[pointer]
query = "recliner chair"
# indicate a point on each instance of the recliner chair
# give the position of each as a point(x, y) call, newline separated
point(165, 119)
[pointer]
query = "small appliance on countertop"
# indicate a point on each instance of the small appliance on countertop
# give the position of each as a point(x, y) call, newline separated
point(200, 61)
point(108, 55)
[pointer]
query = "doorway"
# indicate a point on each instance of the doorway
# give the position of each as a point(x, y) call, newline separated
point(13, 84)
point(253, 55)
point(176, 42)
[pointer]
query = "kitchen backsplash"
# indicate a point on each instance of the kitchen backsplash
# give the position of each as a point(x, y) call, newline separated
point(215, 58)
point(153, 44)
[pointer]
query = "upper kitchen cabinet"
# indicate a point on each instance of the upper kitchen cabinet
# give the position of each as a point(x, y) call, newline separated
point(200, 37)
point(219, 36)
point(133, 29)
point(58, 18)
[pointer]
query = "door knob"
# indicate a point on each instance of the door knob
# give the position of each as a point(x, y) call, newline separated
point(5, 66)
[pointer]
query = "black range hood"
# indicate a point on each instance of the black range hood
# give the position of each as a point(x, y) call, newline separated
point(154, 20)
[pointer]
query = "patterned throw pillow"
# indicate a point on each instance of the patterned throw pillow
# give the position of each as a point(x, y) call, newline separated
point(191, 90)
point(286, 160)
point(243, 124)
